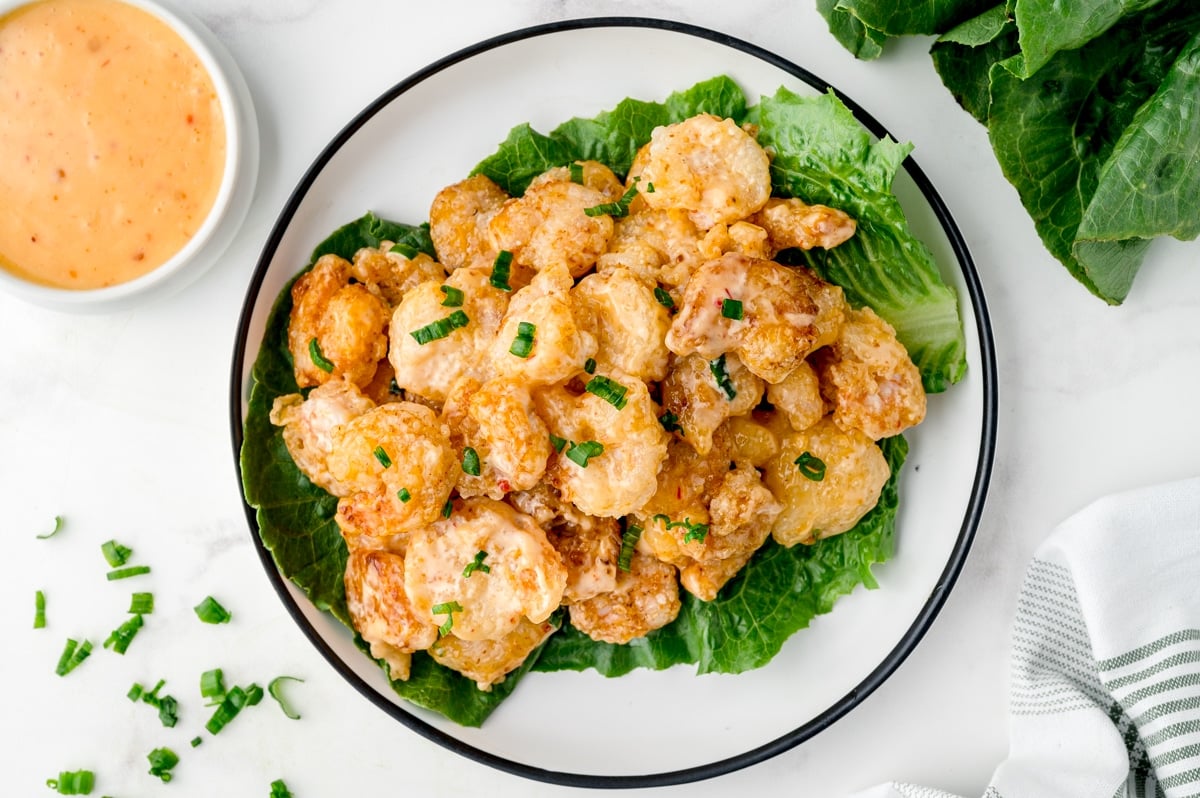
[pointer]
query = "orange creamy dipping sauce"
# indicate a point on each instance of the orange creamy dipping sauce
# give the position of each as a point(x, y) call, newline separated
point(112, 142)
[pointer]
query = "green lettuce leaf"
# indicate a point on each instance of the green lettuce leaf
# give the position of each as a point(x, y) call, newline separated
point(864, 26)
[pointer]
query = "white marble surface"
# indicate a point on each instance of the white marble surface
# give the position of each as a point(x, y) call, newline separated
point(120, 423)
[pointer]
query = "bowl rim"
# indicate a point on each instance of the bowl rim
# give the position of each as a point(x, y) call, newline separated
point(929, 610)
point(239, 140)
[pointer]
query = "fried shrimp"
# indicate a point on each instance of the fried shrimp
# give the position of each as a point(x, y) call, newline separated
point(337, 329)
point(656, 244)
point(589, 549)
point(791, 223)
point(308, 427)
point(703, 393)
point(518, 574)
point(459, 219)
point(646, 598)
point(392, 274)
point(487, 662)
point(629, 323)
point(798, 396)
point(381, 612)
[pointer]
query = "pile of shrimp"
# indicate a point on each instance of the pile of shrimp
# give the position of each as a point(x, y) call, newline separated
point(601, 393)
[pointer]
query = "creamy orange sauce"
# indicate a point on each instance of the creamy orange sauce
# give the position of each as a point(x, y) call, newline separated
point(112, 142)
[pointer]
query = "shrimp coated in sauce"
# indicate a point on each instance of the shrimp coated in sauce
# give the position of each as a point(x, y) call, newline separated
point(792, 223)
point(487, 662)
point(459, 219)
point(701, 398)
point(308, 427)
point(629, 323)
point(381, 612)
point(646, 598)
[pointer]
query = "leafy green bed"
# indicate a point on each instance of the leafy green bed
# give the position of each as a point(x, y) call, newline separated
point(822, 154)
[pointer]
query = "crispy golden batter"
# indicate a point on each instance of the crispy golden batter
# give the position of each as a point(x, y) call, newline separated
point(701, 403)
point(646, 598)
point(380, 609)
point(487, 662)
point(459, 219)
point(629, 323)
point(309, 423)
point(791, 223)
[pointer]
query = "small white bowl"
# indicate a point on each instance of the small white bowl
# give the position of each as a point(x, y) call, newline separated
point(228, 210)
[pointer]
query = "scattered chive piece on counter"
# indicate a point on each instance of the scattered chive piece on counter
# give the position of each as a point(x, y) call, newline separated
point(664, 298)
point(39, 610)
point(454, 297)
point(629, 541)
point(477, 564)
point(440, 328)
point(616, 209)
point(167, 706)
point(280, 790)
point(522, 345)
point(318, 357)
point(448, 609)
point(211, 611)
point(123, 635)
point(717, 367)
point(501, 269)
point(73, 782)
point(141, 603)
point(610, 391)
point(212, 685)
point(382, 457)
point(470, 462)
point(275, 688)
point(73, 654)
point(228, 709)
point(58, 525)
point(403, 495)
point(162, 760)
point(125, 573)
point(732, 309)
point(576, 172)
point(196, 741)
point(580, 453)
point(114, 553)
point(811, 466)
point(254, 694)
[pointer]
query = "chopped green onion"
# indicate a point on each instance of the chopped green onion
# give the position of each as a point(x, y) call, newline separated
point(58, 525)
point(405, 250)
point(254, 694)
point(39, 610)
point(732, 309)
point(470, 462)
point(440, 328)
point(663, 297)
point(629, 541)
point(135, 692)
point(717, 367)
point(695, 532)
point(447, 508)
point(227, 710)
point(610, 391)
point(280, 790)
point(382, 457)
point(196, 741)
point(589, 365)
point(162, 760)
point(649, 188)
point(73, 654)
point(522, 345)
point(454, 297)
point(448, 609)
point(120, 638)
point(141, 603)
point(318, 357)
point(477, 564)
point(403, 495)
point(501, 270)
point(275, 686)
point(168, 711)
point(670, 422)
point(811, 466)
point(557, 442)
point(615, 209)
point(73, 782)
point(580, 453)
point(212, 685)
point(576, 170)
point(211, 611)
point(125, 573)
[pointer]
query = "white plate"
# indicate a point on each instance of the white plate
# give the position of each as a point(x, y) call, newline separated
point(671, 726)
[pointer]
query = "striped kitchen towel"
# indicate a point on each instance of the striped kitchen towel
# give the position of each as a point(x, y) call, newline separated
point(1105, 664)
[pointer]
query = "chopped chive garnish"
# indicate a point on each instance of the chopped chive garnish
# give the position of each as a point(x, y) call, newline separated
point(649, 188)
point(663, 297)
point(212, 685)
point(141, 603)
point(501, 269)
point(470, 462)
point(454, 297)
point(135, 692)
point(615, 209)
point(811, 466)
point(405, 250)
point(318, 357)
point(557, 442)
point(196, 741)
point(717, 367)
point(280, 790)
point(162, 760)
point(39, 610)
point(448, 609)
point(695, 532)
point(382, 457)
point(670, 422)
point(403, 495)
point(120, 638)
point(58, 525)
point(227, 710)
point(73, 654)
point(168, 711)
point(732, 309)
point(629, 541)
point(125, 573)
point(275, 687)
point(610, 391)
point(211, 611)
point(447, 508)
point(589, 365)
point(477, 564)
point(254, 694)
point(576, 170)
point(522, 345)
point(73, 782)
point(440, 328)
point(580, 453)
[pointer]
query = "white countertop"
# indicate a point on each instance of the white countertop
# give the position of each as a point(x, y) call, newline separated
point(120, 424)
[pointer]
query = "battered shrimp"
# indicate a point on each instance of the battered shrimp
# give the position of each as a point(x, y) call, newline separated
point(517, 572)
point(380, 610)
point(459, 218)
point(708, 166)
point(854, 473)
point(791, 223)
point(685, 483)
point(548, 225)
point(391, 273)
point(620, 478)
point(629, 322)
point(785, 313)
point(740, 237)
point(752, 441)
point(703, 393)
point(430, 369)
point(402, 451)
point(497, 422)
point(309, 423)
point(656, 244)
point(646, 598)
point(799, 397)
point(342, 324)
point(867, 376)
point(561, 340)
point(487, 662)
point(590, 551)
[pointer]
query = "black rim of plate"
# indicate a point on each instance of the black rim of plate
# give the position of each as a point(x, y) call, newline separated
point(937, 597)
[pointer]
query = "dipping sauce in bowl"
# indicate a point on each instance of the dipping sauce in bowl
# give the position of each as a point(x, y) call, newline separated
point(120, 137)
